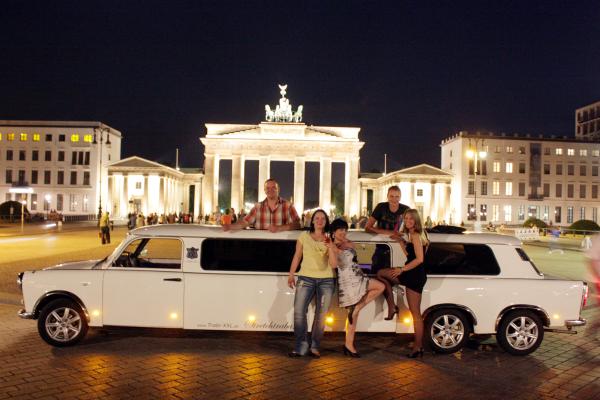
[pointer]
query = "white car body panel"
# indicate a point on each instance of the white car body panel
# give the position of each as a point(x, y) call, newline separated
point(262, 301)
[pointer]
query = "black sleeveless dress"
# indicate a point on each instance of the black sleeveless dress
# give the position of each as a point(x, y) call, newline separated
point(415, 278)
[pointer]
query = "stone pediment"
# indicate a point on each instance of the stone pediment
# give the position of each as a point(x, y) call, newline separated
point(136, 162)
point(422, 169)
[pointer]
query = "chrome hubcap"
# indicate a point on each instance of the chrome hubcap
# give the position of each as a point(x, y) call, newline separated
point(63, 324)
point(447, 331)
point(522, 333)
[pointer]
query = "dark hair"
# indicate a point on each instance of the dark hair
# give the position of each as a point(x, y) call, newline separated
point(338, 223)
point(312, 221)
point(395, 187)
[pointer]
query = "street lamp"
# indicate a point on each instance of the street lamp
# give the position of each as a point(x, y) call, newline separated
point(473, 153)
point(99, 133)
point(22, 190)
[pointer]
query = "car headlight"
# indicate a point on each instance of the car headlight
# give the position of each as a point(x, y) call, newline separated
point(20, 278)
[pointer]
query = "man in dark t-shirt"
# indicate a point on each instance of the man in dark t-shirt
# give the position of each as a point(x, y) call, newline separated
point(389, 217)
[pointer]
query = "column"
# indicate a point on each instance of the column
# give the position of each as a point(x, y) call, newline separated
point(411, 195)
point(264, 173)
point(299, 178)
point(363, 199)
point(196, 200)
point(145, 210)
point(125, 193)
point(237, 190)
point(325, 184)
point(109, 200)
point(215, 183)
point(351, 194)
point(207, 184)
point(161, 194)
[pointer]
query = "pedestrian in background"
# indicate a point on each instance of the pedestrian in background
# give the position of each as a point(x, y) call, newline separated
point(105, 228)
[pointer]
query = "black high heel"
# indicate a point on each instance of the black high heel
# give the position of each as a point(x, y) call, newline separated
point(391, 317)
point(347, 352)
point(350, 312)
point(417, 353)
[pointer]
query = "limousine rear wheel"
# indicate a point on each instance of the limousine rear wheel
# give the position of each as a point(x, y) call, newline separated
point(520, 332)
point(447, 330)
point(62, 323)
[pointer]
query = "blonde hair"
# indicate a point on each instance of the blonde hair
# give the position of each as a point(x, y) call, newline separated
point(418, 225)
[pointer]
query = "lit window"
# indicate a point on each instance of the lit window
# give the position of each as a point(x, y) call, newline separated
point(0, 136)
point(419, 192)
point(495, 188)
point(36, 137)
point(87, 138)
point(509, 149)
point(507, 213)
point(583, 152)
point(496, 166)
point(74, 138)
point(23, 137)
point(558, 151)
point(570, 152)
point(10, 137)
point(508, 190)
point(509, 168)
point(596, 153)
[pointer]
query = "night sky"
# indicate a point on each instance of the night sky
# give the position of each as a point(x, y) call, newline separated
point(408, 73)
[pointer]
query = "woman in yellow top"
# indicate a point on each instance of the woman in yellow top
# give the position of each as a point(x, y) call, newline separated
point(315, 278)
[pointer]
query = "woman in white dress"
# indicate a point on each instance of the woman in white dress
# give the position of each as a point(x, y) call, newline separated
point(355, 289)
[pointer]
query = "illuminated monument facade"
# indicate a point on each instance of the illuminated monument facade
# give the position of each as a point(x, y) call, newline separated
point(281, 137)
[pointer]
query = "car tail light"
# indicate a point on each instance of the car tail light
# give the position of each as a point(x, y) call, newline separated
point(585, 295)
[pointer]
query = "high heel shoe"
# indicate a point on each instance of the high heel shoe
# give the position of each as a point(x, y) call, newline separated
point(417, 353)
point(347, 352)
point(350, 312)
point(391, 317)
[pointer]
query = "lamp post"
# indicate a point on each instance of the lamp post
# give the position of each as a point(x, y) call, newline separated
point(473, 153)
point(99, 134)
point(22, 190)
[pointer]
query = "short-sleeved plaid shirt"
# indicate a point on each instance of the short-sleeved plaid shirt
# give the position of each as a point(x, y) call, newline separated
point(261, 216)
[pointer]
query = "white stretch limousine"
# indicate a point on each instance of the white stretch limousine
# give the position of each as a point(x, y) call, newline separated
point(195, 277)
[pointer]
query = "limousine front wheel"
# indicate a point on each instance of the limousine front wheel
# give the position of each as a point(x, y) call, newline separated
point(62, 323)
point(447, 330)
point(520, 332)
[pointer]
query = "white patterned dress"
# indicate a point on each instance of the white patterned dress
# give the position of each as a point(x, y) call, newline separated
point(352, 282)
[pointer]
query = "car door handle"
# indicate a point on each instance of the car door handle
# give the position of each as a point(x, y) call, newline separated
point(172, 279)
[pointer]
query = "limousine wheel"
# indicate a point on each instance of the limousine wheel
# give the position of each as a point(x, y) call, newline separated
point(520, 332)
point(62, 323)
point(447, 330)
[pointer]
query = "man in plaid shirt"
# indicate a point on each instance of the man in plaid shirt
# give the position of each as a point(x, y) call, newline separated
point(273, 213)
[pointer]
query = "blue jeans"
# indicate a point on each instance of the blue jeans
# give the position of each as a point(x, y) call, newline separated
point(306, 290)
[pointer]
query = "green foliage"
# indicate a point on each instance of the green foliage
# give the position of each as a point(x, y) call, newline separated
point(585, 225)
point(535, 222)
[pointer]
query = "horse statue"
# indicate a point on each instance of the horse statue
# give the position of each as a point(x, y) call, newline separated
point(298, 114)
point(269, 114)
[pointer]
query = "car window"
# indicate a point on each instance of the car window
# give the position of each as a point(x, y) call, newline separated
point(151, 253)
point(247, 255)
point(460, 259)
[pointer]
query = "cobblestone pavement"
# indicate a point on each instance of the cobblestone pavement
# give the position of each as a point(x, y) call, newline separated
point(149, 364)
point(164, 364)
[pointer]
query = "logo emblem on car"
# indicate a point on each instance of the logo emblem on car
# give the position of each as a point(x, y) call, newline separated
point(192, 252)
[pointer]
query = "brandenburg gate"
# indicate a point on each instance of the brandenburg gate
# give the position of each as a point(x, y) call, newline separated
point(281, 137)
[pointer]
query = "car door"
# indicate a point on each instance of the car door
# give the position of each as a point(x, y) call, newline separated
point(144, 286)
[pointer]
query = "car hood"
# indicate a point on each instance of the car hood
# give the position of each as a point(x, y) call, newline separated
point(75, 265)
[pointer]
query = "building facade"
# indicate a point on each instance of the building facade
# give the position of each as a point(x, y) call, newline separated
point(64, 163)
point(423, 187)
point(587, 122)
point(141, 186)
point(553, 179)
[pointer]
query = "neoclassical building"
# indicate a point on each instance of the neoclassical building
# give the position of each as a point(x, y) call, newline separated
point(424, 187)
point(282, 137)
point(142, 186)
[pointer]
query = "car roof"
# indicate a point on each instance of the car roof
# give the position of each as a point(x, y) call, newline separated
point(211, 231)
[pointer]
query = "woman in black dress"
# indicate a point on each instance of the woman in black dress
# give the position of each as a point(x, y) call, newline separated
point(412, 275)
